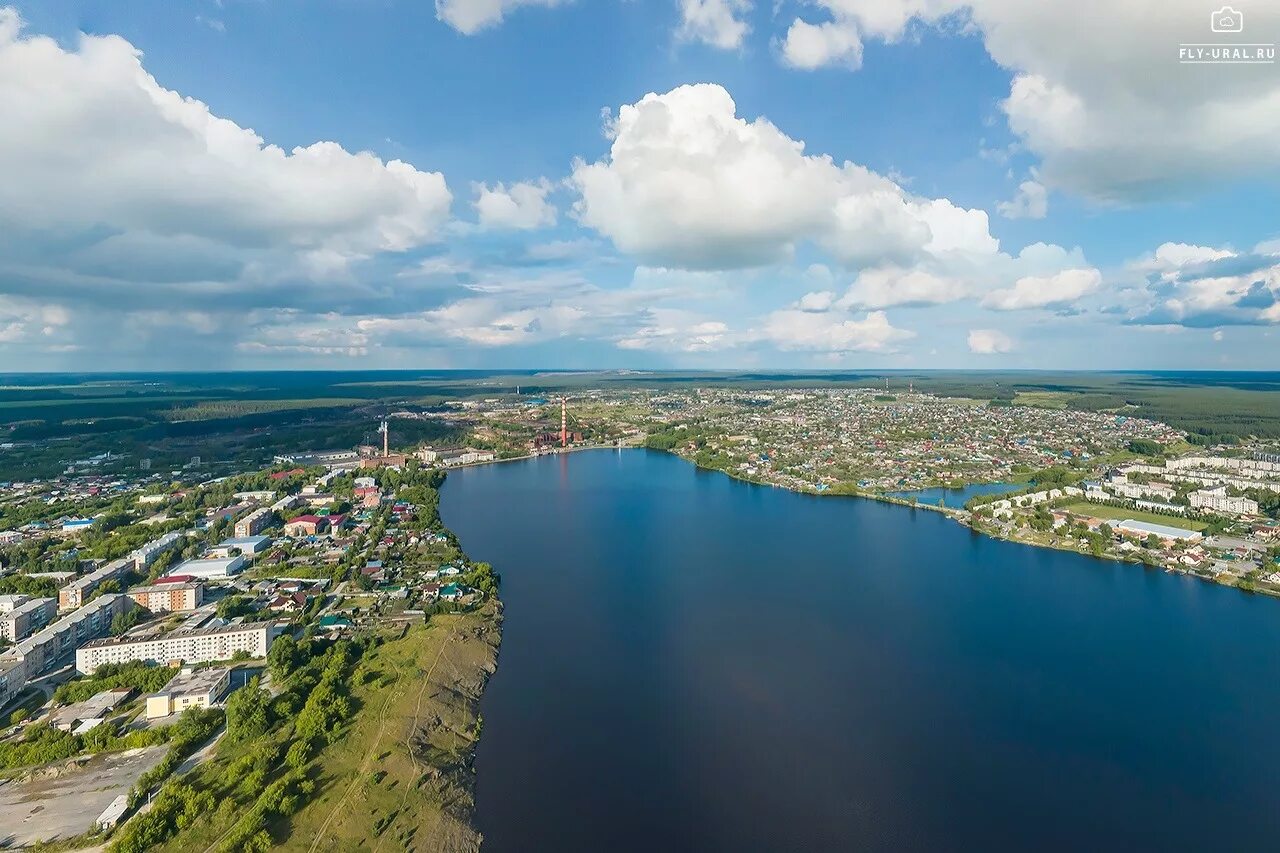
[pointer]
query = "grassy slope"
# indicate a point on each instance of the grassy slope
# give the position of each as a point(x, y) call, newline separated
point(400, 776)
point(404, 769)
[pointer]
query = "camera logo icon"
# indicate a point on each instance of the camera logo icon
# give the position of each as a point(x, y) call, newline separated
point(1226, 20)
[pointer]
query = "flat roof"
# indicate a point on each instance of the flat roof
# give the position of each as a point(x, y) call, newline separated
point(1163, 530)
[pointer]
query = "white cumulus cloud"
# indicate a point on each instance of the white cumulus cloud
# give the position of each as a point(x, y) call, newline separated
point(832, 332)
point(96, 146)
point(521, 206)
point(718, 23)
point(810, 46)
point(1032, 291)
point(688, 183)
point(989, 342)
point(471, 16)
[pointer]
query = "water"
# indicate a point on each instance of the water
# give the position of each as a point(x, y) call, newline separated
point(956, 498)
point(694, 663)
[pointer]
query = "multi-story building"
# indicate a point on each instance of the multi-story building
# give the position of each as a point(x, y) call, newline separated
point(76, 593)
point(13, 677)
point(39, 653)
point(204, 644)
point(168, 597)
point(1219, 501)
point(189, 690)
point(253, 523)
point(26, 618)
point(144, 557)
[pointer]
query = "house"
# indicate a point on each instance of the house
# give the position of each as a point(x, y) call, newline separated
point(453, 592)
point(333, 623)
point(289, 602)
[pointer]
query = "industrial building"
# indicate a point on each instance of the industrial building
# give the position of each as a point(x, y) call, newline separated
point(189, 689)
point(211, 568)
point(21, 619)
point(204, 644)
point(1144, 528)
point(168, 597)
point(248, 545)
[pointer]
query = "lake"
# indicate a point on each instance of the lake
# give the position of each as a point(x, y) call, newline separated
point(956, 498)
point(690, 662)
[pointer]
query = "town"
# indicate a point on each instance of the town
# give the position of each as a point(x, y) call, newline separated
point(132, 612)
point(136, 608)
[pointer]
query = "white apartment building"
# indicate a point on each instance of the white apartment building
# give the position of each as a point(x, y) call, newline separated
point(144, 557)
point(1219, 501)
point(205, 644)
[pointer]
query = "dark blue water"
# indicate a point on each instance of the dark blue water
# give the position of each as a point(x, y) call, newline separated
point(956, 497)
point(694, 663)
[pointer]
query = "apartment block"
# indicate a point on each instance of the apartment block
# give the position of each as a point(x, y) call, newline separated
point(205, 644)
point(27, 618)
point(168, 597)
point(253, 523)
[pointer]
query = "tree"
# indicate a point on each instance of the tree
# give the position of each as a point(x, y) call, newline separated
point(247, 712)
point(283, 657)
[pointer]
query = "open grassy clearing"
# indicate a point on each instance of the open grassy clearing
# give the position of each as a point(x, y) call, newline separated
point(1117, 513)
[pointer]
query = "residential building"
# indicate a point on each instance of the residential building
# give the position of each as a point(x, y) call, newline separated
point(26, 618)
point(45, 648)
point(168, 597)
point(76, 593)
point(143, 558)
point(1218, 500)
point(203, 644)
point(201, 689)
point(253, 523)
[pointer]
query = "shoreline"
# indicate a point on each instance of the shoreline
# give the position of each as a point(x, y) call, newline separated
point(964, 518)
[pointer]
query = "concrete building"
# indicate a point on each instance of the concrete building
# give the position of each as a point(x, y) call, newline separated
point(168, 597)
point(76, 593)
point(26, 618)
point(13, 677)
point(253, 523)
point(248, 545)
point(204, 644)
point(42, 650)
point(1218, 500)
point(144, 557)
point(189, 689)
point(1142, 529)
point(210, 568)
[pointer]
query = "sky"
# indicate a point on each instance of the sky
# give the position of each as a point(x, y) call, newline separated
point(581, 184)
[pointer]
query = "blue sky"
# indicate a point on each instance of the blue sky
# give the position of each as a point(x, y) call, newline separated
point(614, 183)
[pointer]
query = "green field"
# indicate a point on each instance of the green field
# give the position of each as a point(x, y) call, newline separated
point(1116, 513)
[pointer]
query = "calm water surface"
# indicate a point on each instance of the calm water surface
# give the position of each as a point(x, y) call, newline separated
point(694, 663)
point(956, 497)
